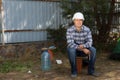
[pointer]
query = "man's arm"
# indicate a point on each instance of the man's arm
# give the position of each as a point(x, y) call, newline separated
point(89, 40)
point(70, 39)
point(83, 47)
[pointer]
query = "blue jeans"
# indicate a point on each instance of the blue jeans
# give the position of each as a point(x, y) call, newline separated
point(72, 53)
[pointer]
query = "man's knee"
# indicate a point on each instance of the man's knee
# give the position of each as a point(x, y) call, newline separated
point(71, 50)
point(92, 49)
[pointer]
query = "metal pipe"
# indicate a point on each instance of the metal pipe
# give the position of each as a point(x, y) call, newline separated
point(3, 32)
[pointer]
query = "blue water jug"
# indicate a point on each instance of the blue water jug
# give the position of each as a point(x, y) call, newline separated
point(45, 61)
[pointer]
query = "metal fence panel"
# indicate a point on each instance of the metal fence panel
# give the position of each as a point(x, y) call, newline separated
point(30, 15)
point(11, 37)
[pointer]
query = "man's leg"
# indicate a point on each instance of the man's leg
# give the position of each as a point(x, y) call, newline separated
point(91, 65)
point(72, 59)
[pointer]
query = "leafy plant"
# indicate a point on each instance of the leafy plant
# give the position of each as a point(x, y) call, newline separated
point(98, 13)
point(59, 37)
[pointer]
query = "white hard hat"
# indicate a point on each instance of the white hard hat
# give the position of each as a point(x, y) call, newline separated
point(78, 15)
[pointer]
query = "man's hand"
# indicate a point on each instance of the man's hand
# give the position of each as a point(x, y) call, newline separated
point(86, 51)
point(80, 47)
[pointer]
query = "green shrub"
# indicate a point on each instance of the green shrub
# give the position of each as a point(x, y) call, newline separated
point(59, 38)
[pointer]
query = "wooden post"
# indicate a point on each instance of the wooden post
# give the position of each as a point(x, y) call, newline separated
point(3, 32)
point(79, 64)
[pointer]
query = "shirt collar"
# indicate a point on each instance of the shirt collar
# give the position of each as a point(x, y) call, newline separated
point(75, 28)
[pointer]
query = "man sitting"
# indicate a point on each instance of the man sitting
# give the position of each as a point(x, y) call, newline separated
point(79, 40)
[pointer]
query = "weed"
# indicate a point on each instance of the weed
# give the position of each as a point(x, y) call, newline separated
point(8, 66)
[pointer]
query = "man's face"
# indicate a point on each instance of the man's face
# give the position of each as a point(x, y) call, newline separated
point(78, 22)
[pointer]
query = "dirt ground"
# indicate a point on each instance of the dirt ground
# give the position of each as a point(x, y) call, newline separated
point(108, 69)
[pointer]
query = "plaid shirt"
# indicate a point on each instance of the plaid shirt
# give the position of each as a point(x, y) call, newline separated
point(75, 38)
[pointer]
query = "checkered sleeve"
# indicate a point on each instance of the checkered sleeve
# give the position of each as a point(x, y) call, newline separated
point(88, 40)
point(70, 39)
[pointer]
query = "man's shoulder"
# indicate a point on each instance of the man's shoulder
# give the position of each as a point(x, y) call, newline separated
point(71, 28)
point(86, 28)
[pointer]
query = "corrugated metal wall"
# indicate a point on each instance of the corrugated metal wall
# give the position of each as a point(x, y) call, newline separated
point(30, 15)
